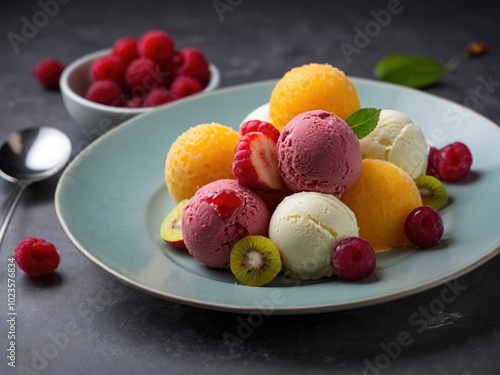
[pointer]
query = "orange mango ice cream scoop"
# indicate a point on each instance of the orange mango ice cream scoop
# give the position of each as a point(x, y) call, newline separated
point(310, 87)
point(200, 155)
point(381, 198)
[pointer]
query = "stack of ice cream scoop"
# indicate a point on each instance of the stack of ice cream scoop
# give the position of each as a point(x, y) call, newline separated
point(298, 190)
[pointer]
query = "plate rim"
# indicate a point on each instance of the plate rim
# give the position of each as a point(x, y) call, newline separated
point(309, 309)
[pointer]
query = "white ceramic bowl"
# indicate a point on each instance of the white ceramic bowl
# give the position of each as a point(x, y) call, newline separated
point(94, 118)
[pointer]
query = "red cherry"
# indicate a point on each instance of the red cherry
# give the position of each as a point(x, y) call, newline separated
point(424, 227)
point(353, 259)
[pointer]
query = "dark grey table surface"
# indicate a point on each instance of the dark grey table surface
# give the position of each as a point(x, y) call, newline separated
point(83, 321)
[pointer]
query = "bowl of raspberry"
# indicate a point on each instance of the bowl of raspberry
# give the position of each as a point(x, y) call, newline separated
point(104, 88)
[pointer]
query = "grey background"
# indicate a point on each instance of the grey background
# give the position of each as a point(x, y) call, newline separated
point(83, 321)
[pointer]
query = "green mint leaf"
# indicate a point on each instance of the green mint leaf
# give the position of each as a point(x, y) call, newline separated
point(363, 121)
point(406, 70)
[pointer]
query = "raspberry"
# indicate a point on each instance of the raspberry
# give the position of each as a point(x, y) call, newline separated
point(126, 49)
point(424, 227)
point(105, 92)
point(143, 75)
point(156, 45)
point(177, 60)
point(134, 102)
point(194, 64)
point(48, 72)
point(157, 96)
point(36, 256)
point(431, 164)
point(453, 161)
point(353, 259)
point(166, 73)
point(107, 67)
point(183, 86)
point(261, 127)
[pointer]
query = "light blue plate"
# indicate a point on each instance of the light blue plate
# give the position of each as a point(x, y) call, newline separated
point(112, 199)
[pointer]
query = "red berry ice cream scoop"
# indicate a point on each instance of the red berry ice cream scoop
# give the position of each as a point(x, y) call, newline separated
point(317, 151)
point(217, 216)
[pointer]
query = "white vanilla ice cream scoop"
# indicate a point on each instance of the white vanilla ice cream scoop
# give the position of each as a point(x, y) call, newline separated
point(306, 227)
point(398, 140)
point(260, 113)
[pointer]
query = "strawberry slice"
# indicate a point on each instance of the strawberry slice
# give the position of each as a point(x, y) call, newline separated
point(261, 127)
point(255, 164)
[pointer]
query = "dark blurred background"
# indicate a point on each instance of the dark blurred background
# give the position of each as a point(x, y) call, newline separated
point(249, 40)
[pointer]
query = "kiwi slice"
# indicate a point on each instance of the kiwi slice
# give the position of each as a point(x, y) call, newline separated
point(432, 191)
point(255, 260)
point(171, 226)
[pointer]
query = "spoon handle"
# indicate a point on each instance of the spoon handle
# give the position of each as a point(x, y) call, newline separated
point(16, 194)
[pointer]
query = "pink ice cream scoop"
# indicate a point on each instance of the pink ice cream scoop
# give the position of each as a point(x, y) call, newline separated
point(317, 151)
point(217, 216)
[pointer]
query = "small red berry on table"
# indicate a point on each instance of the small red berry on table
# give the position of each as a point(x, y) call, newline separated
point(36, 257)
point(48, 71)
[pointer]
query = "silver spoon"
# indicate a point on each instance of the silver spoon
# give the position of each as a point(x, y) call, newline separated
point(29, 156)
